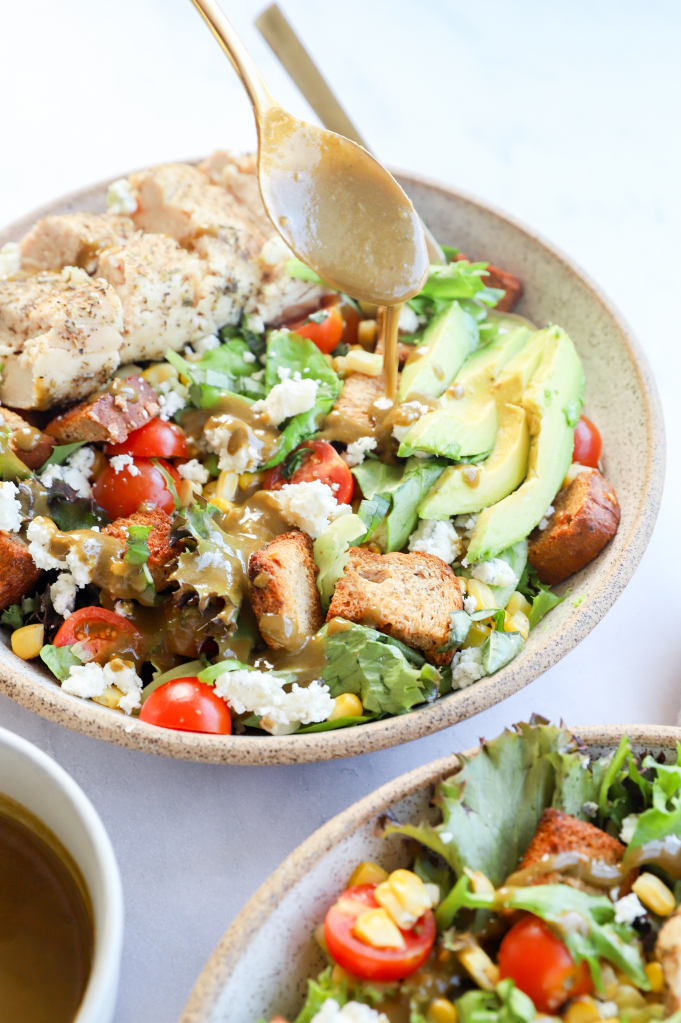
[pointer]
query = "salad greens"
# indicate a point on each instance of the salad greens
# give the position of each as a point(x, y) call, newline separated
point(218, 370)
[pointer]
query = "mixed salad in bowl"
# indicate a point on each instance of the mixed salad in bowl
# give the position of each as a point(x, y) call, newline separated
point(212, 516)
point(545, 884)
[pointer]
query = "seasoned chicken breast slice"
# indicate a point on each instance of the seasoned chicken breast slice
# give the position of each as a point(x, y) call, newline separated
point(72, 239)
point(238, 173)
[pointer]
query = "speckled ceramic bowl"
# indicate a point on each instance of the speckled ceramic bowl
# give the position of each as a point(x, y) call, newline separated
point(261, 965)
point(620, 397)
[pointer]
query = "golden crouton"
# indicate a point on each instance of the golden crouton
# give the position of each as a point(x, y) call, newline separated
point(284, 594)
point(110, 417)
point(558, 832)
point(161, 554)
point(585, 517)
point(27, 442)
point(668, 953)
point(18, 573)
point(351, 416)
point(408, 596)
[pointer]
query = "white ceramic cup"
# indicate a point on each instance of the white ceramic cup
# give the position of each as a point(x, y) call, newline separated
point(33, 779)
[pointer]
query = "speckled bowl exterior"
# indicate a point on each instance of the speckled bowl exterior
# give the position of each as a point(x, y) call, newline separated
point(263, 961)
point(620, 397)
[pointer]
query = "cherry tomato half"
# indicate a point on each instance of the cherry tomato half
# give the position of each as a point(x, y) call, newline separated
point(323, 463)
point(540, 965)
point(103, 633)
point(121, 493)
point(188, 706)
point(156, 439)
point(362, 960)
point(324, 328)
point(588, 443)
point(351, 318)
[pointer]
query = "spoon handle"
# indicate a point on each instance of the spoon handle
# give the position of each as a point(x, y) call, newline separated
point(258, 93)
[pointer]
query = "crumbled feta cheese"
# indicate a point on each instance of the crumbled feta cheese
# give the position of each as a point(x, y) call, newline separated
point(467, 667)
point(248, 357)
point(470, 605)
point(417, 408)
point(628, 828)
point(119, 198)
point(495, 572)
point(217, 437)
point(91, 679)
point(606, 1010)
point(352, 1012)
point(438, 538)
point(283, 372)
point(383, 403)
point(39, 534)
point(206, 344)
point(80, 570)
point(83, 460)
point(258, 376)
point(589, 809)
point(261, 693)
point(10, 508)
point(194, 471)
point(357, 450)
point(408, 322)
point(254, 323)
point(289, 398)
point(547, 515)
point(124, 608)
point(466, 524)
point(70, 474)
point(170, 404)
point(400, 432)
point(274, 250)
point(628, 909)
point(446, 837)
point(309, 506)
point(10, 259)
point(120, 462)
point(63, 594)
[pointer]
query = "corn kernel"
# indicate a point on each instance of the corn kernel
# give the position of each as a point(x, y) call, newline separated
point(110, 697)
point(463, 584)
point(582, 1010)
point(509, 625)
point(209, 489)
point(629, 997)
point(518, 603)
point(347, 705)
point(484, 972)
point(388, 900)
point(441, 1010)
point(249, 479)
point(654, 894)
point(161, 371)
point(477, 634)
point(366, 332)
point(519, 622)
point(656, 977)
point(376, 928)
point(338, 975)
point(27, 642)
point(226, 485)
point(410, 892)
point(219, 502)
point(484, 598)
point(359, 361)
point(367, 873)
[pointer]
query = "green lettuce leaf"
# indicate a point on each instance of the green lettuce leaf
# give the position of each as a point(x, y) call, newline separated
point(506, 1004)
point(59, 659)
point(61, 452)
point(516, 557)
point(15, 616)
point(330, 726)
point(137, 549)
point(543, 598)
point(330, 551)
point(372, 513)
point(454, 280)
point(318, 991)
point(188, 669)
point(663, 818)
point(11, 466)
point(388, 677)
point(499, 649)
point(219, 370)
point(300, 271)
point(376, 477)
point(404, 489)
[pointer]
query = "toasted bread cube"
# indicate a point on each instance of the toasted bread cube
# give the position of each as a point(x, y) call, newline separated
point(110, 418)
point(284, 594)
point(586, 515)
point(408, 596)
point(28, 443)
point(161, 554)
point(18, 573)
point(668, 952)
point(72, 239)
point(496, 278)
point(351, 414)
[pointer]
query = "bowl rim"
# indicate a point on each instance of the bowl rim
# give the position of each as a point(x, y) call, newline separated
point(102, 723)
point(227, 953)
point(103, 977)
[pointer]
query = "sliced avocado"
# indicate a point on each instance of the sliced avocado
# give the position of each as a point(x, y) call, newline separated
point(552, 401)
point(447, 341)
point(516, 374)
point(467, 423)
point(501, 473)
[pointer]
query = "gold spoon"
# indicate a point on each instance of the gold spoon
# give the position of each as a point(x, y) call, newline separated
point(335, 206)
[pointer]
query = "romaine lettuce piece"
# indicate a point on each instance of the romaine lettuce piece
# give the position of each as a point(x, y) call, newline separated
point(330, 551)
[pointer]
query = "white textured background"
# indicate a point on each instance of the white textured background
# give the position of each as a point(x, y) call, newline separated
point(564, 114)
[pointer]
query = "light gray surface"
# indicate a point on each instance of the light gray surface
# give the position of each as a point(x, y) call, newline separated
point(564, 115)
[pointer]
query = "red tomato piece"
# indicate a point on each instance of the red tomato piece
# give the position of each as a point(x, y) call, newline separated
point(324, 328)
point(323, 464)
point(540, 965)
point(365, 961)
point(351, 317)
point(121, 493)
point(103, 633)
point(156, 439)
point(588, 443)
point(188, 706)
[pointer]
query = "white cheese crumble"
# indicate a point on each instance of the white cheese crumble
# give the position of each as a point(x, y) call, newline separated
point(418, 408)
point(119, 197)
point(39, 534)
point(83, 460)
point(590, 809)
point(124, 608)
point(247, 456)
point(172, 396)
point(81, 570)
point(466, 524)
point(261, 693)
point(309, 506)
point(467, 667)
point(194, 471)
point(10, 508)
point(248, 357)
point(254, 322)
point(606, 1010)
point(400, 432)
point(357, 449)
point(436, 537)
point(470, 604)
point(70, 474)
point(206, 344)
point(495, 572)
point(91, 679)
point(628, 909)
point(10, 259)
point(383, 403)
point(408, 322)
point(628, 828)
point(63, 594)
point(547, 515)
point(352, 1012)
point(120, 462)
point(289, 398)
